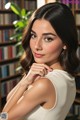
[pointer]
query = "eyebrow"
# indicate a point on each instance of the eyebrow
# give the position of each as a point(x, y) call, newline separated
point(44, 33)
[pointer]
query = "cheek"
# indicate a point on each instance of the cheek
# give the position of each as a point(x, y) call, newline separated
point(53, 49)
point(31, 44)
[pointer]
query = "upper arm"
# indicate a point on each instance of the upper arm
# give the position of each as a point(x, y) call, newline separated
point(32, 97)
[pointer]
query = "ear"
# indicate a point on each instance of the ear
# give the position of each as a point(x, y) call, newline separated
point(64, 47)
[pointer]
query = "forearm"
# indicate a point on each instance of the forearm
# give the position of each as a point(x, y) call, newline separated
point(14, 90)
point(15, 97)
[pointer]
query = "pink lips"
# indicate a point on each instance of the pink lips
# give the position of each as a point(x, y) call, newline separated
point(38, 55)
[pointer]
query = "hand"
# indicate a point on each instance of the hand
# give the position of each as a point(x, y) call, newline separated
point(36, 71)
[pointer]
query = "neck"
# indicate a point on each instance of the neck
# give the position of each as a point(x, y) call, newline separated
point(56, 66)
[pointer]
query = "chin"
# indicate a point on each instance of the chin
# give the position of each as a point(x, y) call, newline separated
point(39, 61)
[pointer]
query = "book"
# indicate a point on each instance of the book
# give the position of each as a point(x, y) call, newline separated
point(77, 19)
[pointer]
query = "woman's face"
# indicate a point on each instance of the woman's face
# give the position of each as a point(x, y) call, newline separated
point(45, 44)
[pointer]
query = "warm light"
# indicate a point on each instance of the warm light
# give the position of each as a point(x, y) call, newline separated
point(15, 22)
point(7, 6)
point(40, 3)
point(48, 1)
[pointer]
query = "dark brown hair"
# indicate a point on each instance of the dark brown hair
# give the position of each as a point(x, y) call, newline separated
point(62, 20)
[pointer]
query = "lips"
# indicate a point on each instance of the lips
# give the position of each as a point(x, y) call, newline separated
point(38, 55)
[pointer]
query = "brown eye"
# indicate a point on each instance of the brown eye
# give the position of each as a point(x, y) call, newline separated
point(48, 39)
point(33, 36)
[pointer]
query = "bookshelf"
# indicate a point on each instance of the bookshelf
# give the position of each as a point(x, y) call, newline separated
point(8, 50)
point(75, 7)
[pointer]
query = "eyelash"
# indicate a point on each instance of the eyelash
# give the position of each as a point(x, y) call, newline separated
point(33, 36)
point(47, 39)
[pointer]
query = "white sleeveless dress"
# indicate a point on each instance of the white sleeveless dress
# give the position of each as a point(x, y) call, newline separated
point(65, 89)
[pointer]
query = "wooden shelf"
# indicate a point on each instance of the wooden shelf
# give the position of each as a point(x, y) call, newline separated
point(8, 43)
point(5, 11)
point(78, 26)
point(9, 61)
point(77, 101)
point(78, 91)
point(78, 75)
point(6, 26)
point(11, 77)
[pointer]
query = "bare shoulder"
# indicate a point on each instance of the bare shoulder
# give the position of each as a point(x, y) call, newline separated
point(44, 84)
point(41, 91)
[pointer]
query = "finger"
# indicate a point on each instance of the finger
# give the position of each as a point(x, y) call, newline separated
point(39, 68)
point(36, 72)
point(40, 73)
point(42, 65)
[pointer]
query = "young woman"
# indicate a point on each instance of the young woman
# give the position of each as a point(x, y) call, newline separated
point(48, 90)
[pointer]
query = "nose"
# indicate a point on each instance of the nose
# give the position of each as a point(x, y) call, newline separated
point(38, 44)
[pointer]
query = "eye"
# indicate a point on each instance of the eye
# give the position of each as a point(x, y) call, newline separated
point(48, 39)
point(33, 35)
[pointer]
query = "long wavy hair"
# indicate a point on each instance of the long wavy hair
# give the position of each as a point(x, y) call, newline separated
point(62, 20)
